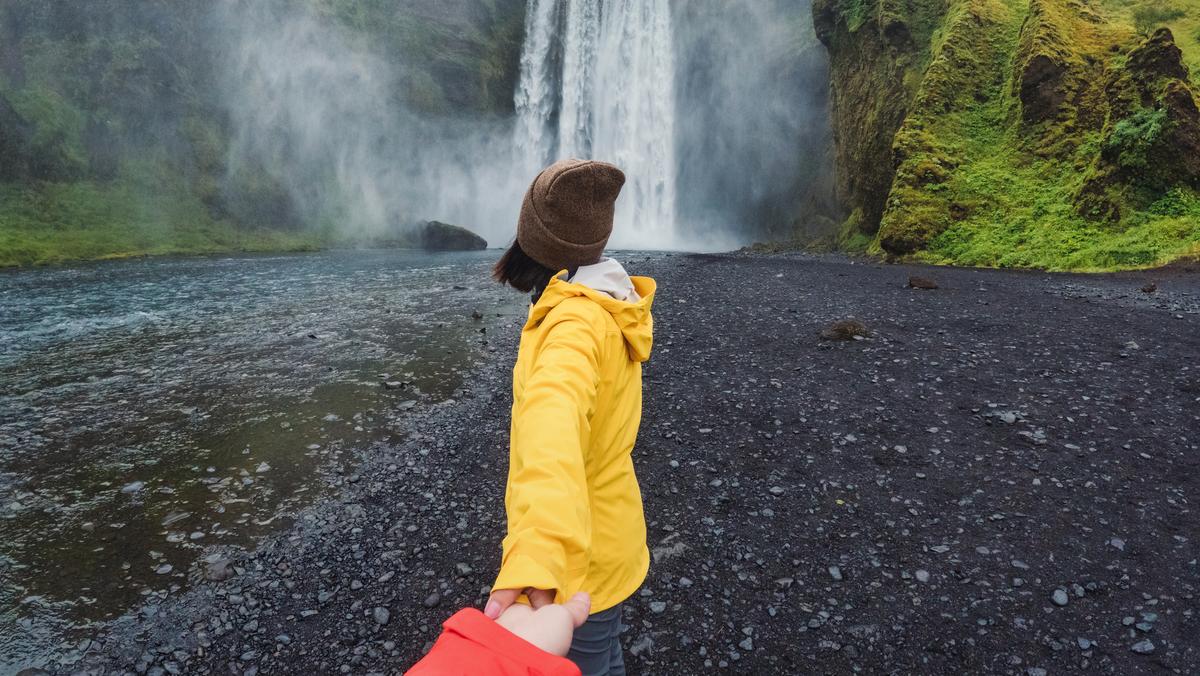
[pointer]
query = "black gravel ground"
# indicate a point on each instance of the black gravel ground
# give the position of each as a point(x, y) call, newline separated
point(1001, 478)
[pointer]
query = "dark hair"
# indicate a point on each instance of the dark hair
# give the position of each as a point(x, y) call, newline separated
point(516, 269)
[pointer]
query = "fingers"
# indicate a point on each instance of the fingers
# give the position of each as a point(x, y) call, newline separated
point(540, 597)
point(514, 617)
point(500, 600)
point(579, 606)
point(549, 627)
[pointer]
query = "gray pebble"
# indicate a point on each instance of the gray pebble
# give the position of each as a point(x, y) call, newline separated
point(640, 646)
point(1060, 597)
point(1143, 647)
point(382, 615)
point(133, 487)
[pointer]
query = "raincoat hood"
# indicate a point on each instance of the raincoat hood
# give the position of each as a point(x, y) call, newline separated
point(633, 319)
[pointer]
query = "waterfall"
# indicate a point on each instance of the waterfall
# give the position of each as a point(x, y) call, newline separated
point(598, 81)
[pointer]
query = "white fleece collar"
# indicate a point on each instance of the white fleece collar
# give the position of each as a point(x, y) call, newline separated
point(607, 276)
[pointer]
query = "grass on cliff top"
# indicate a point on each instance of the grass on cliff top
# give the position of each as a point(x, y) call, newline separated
point(1181, 16)
point(58, 222)
point(1020, 205)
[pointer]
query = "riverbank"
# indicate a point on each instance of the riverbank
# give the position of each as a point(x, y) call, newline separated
point(65, 222)
point(999, 478)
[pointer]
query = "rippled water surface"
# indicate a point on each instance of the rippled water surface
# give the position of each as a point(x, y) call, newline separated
point(152, 409)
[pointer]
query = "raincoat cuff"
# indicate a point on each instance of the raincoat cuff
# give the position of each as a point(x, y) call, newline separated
point(521, 571)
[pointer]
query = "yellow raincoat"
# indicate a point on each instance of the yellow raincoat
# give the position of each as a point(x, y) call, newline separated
point(575, 518)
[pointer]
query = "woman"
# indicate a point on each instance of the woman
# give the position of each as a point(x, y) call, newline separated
point(574, 508)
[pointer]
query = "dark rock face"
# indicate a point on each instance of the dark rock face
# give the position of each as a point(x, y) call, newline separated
point(1181, 147)
point(728, 53)
point(872, 55)
point(438, 236)
point(1052, 70)
point(1042, 91)
point(15, 133)
point(1152, 140)
point(1159, 56)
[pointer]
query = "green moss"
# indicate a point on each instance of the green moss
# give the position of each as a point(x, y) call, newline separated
point(56, 148)
point(856, 12)
point(944, 129)
point(976, 183)
point(850, 237)
point(57, 222)
point(1025, 215)
point(1134, 137)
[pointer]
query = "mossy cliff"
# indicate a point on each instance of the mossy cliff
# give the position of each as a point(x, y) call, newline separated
point(1061, 134)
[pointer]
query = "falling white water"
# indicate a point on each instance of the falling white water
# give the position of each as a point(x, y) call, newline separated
point(598, 81)
point(536, 96)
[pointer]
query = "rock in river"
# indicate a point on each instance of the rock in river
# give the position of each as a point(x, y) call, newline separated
point(438, 236)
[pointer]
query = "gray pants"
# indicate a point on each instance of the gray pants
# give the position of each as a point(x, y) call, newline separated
point(596, 647)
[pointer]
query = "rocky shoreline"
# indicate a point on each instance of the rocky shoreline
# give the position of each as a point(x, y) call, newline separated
point(998, 477)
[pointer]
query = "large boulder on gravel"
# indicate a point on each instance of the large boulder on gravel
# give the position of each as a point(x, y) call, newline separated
point(438, 236)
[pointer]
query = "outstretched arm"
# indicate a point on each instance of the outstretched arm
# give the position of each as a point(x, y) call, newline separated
point(548, 545)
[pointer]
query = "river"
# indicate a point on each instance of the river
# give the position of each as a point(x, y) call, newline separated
point(156, 411)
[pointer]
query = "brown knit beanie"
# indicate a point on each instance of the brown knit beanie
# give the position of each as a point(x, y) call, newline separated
point(567, 214)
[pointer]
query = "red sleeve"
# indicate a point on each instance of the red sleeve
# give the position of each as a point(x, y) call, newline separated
point(473, 645)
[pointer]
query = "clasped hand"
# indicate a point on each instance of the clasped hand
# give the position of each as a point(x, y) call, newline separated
point(543, 623)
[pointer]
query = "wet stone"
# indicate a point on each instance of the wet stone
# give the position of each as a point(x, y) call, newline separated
point(219, 570)
point(1143, 647)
